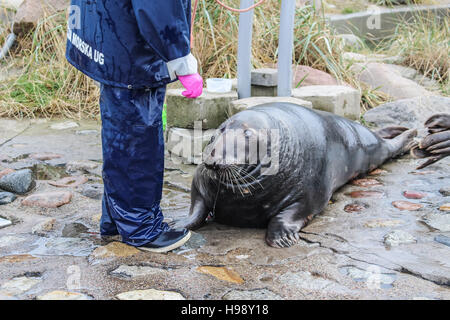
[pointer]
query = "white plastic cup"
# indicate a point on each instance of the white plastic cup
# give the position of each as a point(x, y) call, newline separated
point(218, 85)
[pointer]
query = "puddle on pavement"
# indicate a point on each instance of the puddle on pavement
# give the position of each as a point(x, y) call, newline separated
point(371, 276)
point(74, 230)
point(174, 199)
point(196, 241)
point(63, 247)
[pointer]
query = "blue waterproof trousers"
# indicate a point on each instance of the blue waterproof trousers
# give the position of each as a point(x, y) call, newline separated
point(133, 163)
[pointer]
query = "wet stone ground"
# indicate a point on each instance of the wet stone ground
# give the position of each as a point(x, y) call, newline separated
point(384, 237)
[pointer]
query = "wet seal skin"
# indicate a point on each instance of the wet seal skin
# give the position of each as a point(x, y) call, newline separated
point(277, 165)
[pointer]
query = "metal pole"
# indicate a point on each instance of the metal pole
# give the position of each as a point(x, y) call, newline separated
point(244, 63)
point(285, 47)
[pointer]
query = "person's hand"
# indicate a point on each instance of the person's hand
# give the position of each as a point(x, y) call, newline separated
point(193, 84)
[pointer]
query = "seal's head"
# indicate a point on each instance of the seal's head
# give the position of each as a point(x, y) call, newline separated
point(239, 146)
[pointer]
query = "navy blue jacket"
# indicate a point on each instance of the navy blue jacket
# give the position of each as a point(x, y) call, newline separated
point(130, 43)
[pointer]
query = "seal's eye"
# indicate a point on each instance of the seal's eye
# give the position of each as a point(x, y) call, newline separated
point(212, 139)
point(248, 133)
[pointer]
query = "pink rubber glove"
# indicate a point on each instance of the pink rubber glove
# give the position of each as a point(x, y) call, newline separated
point(193, 84)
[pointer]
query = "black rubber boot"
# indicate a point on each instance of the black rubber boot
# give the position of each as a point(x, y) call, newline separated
point(167, 241)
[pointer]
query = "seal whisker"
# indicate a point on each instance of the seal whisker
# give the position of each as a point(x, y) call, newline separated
point(237, 184)
point(246, 177)
point(239, 178)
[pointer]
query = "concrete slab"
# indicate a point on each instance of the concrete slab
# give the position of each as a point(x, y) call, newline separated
point(209, 109)
point(243, 104)
point(341, 100)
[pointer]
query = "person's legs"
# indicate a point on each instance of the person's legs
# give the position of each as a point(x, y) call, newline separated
point(133, 163)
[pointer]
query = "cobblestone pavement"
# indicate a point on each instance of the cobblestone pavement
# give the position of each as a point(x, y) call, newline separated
point(383, 238)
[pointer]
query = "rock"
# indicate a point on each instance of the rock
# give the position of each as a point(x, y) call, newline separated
point(377, 172)
point(445, 207)
point(440, 222)
point(5, 158)
point(86, 132)
point(30, 11)
point(81, 165)
point(442, 239)
point(410, 113)
point(414, 194)
point(7, 197)
point(63, 247)
point(48, 199)
point(209, 109)
point(381, 77)
point(266, 77)
point(74, 230)
point(422, 173)
point(397, 237)
point(135, 271)
point(15, 258)
point(19, 285)
point(188, 143)
point(222, 273)
point(150, 294)
point(264, 82)
point(63, 295)
point(6, 171)
point(354, 207)
point(10, 4)
point(366, 194)
point(258, 294)
point(93, 191)
point(10, 241)
point(406, 205)
point(45, 156)
point(366, 182)
point(4, 223)
point(354, 57)
point(114, 250)
point(196, 241)
point(371, 276)
point(43, 227)
point(69, 182)
point(307, 76)
point(378, 223)
point(96, 218)
point(414, 75)
point(304, 280)
point(350, 40)
point(445, 191)
point(243, 104)
point(64, 125)
point(20, 181)
point(340, 100)
point(261, 91)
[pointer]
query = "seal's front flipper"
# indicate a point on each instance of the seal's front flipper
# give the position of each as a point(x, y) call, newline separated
point(197, 213)
point(390, 132)
point(436, 145)
point(438, 123)
point(283, 230)
point(402, 143)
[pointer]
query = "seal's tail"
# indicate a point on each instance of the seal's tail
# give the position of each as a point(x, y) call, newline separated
point(403, 142)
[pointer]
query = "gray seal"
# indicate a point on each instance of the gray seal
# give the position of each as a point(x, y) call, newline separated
point(311, 154)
